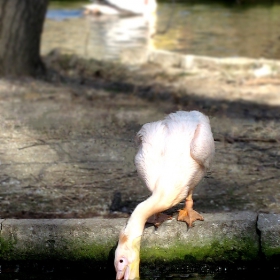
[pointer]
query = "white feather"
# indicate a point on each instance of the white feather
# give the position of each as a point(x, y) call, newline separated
point(169, 150)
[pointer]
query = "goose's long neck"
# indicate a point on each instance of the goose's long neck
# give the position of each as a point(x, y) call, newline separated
point(139, 216)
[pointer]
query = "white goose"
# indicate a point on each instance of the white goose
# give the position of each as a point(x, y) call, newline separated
point(119, 7)
point(173, 156)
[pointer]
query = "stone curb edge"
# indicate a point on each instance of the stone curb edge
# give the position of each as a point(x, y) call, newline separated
point(221, 237)
point(258, 67)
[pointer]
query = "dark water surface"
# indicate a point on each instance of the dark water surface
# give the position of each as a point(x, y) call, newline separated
point(192, 27)
point(55, 270)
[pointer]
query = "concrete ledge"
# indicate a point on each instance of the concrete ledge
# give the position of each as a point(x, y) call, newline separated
point(222, 237)
point(269, 227)
point(58, 239)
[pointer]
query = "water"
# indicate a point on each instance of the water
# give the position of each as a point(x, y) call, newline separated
point(192, 27)
point(221, 31)
point(63, 14)
point(61, 270)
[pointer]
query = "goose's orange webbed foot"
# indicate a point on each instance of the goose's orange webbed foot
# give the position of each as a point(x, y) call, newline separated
point(187, 214)
point(158, 219)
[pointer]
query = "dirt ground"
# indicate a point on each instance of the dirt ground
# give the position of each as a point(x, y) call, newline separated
point(67, 140)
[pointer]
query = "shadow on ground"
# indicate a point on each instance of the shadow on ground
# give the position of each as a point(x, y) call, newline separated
point(67, 141)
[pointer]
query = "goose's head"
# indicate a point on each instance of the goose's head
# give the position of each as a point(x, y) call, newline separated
point(127, 258)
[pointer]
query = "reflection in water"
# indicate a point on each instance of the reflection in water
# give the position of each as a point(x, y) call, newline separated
point(101, 37)
point(121, 36)
point(210, 30)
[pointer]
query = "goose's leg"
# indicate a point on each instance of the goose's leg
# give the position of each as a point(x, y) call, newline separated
point(158, 219)
point(187, 214)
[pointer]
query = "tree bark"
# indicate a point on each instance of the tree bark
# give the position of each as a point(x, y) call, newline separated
point(21, 25)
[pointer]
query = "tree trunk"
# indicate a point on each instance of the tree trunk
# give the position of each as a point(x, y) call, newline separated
point(21, 25)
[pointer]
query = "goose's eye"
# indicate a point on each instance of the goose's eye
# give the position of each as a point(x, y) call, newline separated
point(122, 263)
